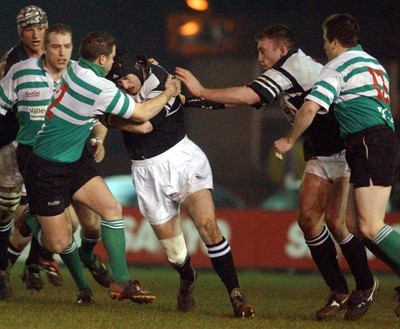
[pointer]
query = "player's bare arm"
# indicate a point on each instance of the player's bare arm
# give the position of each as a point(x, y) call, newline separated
point(99, 135)
point(232, 96)
point(114, 121)
point(303, 120)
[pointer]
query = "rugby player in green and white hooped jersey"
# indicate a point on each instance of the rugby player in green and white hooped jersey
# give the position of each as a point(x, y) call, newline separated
point(29, 86)
point(57, 174)
point(82, 95)
point(357, 105)
point(358, 85)
point(31, 24)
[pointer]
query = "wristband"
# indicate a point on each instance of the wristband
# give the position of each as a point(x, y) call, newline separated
point(199, 102)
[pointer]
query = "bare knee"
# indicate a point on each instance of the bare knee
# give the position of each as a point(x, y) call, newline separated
point(311, 224)
point(113, 210)
point(337, 227)
point(57, 245)
point(367, 231)
point(90, 224)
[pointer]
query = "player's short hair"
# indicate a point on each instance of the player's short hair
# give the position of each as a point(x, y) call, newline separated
point(344, 28)
point(279, 33)
point(96, 44)
point(31, 16)
point(57, 29)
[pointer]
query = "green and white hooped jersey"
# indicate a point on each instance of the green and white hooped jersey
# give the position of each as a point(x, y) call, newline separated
point(358, 85)
point(83, 94)
point(29, 85)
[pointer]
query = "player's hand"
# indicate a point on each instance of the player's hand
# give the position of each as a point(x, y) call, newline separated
point(282, 146)
point(99, 151)
point(152, 61)
point(190, 81)
point(173, 85)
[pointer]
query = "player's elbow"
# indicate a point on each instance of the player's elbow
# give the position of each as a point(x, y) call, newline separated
point(249, 96)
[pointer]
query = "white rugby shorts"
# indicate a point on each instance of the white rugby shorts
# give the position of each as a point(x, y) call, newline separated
point(166, 180)
point(9, 174)
point(330, 167)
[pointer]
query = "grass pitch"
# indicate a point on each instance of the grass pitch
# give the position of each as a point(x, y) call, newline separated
point(281, 300)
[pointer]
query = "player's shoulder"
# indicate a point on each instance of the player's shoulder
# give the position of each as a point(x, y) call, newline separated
point(85, 76)
point(300, 57)
point(30, 63)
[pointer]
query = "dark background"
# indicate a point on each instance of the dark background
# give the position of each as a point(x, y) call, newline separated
point(142, 23)
point(237, 142)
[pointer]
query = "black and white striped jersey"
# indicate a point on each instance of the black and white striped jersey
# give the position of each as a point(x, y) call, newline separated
point(289, 81)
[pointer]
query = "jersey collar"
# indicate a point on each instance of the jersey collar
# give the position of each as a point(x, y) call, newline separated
point(97, 69)
point(282, 60)
point(358, 47)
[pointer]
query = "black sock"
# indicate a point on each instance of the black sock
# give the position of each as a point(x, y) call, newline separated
point(47, 255)
point(5, 229)
point(185, 270)
point(356, 256)
point(324, 254)
point(34, 252)
point(13, 253)
point(222, 262)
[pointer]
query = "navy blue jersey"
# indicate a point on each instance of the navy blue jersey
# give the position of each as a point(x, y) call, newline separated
point(168, 124)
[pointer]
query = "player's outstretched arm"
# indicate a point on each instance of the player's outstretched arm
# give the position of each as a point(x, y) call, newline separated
point(231, 97)
point(199, 102)
point(190, 81)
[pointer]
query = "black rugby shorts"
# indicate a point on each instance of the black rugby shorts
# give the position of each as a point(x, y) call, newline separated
point(51, 185)
point(373, 155)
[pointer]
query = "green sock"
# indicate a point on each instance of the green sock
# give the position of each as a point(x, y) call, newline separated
point(377, 251)
point(388, 240)
point(72, 261)
point(86, 249)
point(114, 241)
point(70, 256)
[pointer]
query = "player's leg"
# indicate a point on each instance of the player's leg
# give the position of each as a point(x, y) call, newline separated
point(47, 261)
point(9, 199)
point(200, 207)
point(313, 196)
point(352, 225)
point(10, 194)
point(18, 240)
point(172, 240)
point(55, 234)
point(371, 206)
point(96, 195)
point(352, 248)
point(90, 236)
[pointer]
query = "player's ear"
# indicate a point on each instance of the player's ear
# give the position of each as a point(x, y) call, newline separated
point(102, 59)
point(283, 49)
